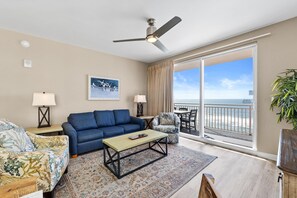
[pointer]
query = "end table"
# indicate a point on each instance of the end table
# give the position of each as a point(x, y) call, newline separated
point(148, 119)
point(56, 128)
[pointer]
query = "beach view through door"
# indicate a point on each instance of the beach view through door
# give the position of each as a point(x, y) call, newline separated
point(227, 97)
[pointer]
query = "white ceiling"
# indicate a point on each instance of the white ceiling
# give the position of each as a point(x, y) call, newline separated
point(94, 24)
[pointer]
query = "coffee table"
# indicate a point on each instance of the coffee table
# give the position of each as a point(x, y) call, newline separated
point(122, 143)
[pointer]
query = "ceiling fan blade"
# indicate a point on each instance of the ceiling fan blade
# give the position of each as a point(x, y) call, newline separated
point(167, 26)
point(159, 45)
point(127, 40)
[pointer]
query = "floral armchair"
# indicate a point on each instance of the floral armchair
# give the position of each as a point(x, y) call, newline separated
point(168, 123)
point(23, 154)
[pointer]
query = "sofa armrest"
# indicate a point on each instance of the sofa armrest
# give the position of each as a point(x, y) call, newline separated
point(138, 121)
point(72, 134)
point(155, 121)
point(41, 142)
point(27, 164)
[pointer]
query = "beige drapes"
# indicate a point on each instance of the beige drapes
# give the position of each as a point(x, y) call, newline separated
point(160, 88)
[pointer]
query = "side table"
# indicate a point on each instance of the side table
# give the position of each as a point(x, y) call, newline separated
point(148, 120)
point(56, 128)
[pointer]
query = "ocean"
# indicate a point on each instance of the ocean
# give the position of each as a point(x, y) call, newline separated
point(223, 114)
point(215, 101)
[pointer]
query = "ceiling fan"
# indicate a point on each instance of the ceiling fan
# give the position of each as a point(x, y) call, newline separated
point(153, 34)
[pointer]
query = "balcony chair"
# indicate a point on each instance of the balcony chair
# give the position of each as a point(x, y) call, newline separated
point(168, 123)
point(189, 121)
point(25, 155)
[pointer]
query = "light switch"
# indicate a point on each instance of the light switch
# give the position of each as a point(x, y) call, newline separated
point(27, 63)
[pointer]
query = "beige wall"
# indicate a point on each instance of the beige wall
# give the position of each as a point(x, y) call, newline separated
point(61, 69)
point(275, 54)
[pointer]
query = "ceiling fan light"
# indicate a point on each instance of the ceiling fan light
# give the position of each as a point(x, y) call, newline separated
point(151, 39)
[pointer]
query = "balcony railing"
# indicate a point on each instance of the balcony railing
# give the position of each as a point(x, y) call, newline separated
point(236, 118)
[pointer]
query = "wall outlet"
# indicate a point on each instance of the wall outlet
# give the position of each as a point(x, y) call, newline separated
point(27, 63)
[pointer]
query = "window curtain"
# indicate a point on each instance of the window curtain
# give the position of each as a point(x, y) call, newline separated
point(160, 88)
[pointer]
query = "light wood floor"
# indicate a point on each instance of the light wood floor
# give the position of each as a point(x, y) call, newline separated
point(237, 175)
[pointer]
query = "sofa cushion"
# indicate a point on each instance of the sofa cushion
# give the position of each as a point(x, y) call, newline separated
point(130, 127)
point(112, 131)
point(167, 118)
point(82, 121)
point(104, 118)
point(122, 116)
point(89, 135)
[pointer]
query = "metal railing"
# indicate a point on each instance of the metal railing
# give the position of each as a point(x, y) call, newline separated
point(224, 117)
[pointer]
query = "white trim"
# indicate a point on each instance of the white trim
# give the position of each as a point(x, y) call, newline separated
point(197, 55)
point(232, 147)
point(201, 107)
point(255, 70)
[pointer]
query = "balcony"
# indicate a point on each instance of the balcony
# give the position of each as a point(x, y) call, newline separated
point(231, 123)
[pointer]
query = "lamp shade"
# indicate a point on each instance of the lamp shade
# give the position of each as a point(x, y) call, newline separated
point(44, 99)
point(140, 98)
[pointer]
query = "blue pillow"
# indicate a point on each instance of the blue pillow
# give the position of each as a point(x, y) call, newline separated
point(104, 118)
point(82, 121)
point(122, 116)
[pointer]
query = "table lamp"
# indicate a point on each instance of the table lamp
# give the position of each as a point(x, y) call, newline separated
point(140, 99)
point(43, 101)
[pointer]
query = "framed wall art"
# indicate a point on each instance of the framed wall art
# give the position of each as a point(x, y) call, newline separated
point(102, 88)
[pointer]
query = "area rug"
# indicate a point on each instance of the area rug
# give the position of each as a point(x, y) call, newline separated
point(88, 177)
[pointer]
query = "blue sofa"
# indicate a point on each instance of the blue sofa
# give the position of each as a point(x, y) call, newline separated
point(86, 130)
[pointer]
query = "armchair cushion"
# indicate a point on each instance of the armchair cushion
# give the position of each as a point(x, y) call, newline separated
point(167, 118)
point(104, 118)
point(166, 128)
point(122, 116)
point(16, 140)
point(82, 121)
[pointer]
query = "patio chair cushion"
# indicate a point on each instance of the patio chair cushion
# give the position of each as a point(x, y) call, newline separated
point(167, 118)
point(16, 140)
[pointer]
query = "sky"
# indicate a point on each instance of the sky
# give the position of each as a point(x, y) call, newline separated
point(230, 80)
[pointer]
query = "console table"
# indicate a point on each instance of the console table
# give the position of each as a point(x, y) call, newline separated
point(287, 162)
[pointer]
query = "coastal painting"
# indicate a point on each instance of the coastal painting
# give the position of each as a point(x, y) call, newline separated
point(102, 88)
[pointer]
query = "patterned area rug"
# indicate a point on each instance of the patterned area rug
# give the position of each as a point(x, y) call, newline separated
point(88, 177)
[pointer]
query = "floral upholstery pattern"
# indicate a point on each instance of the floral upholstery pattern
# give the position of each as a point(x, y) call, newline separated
point(172, 130)
point(47, 162)
point(166, 118)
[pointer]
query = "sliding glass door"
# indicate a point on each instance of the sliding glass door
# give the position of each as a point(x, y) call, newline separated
point(221, 87)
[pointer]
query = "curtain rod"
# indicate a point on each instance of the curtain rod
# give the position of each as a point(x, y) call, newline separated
point(178, 60)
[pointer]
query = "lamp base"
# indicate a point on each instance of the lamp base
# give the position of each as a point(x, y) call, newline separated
point(139, 109)
point(43, 117)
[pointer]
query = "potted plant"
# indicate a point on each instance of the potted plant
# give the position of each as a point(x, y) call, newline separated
point(285, 97)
